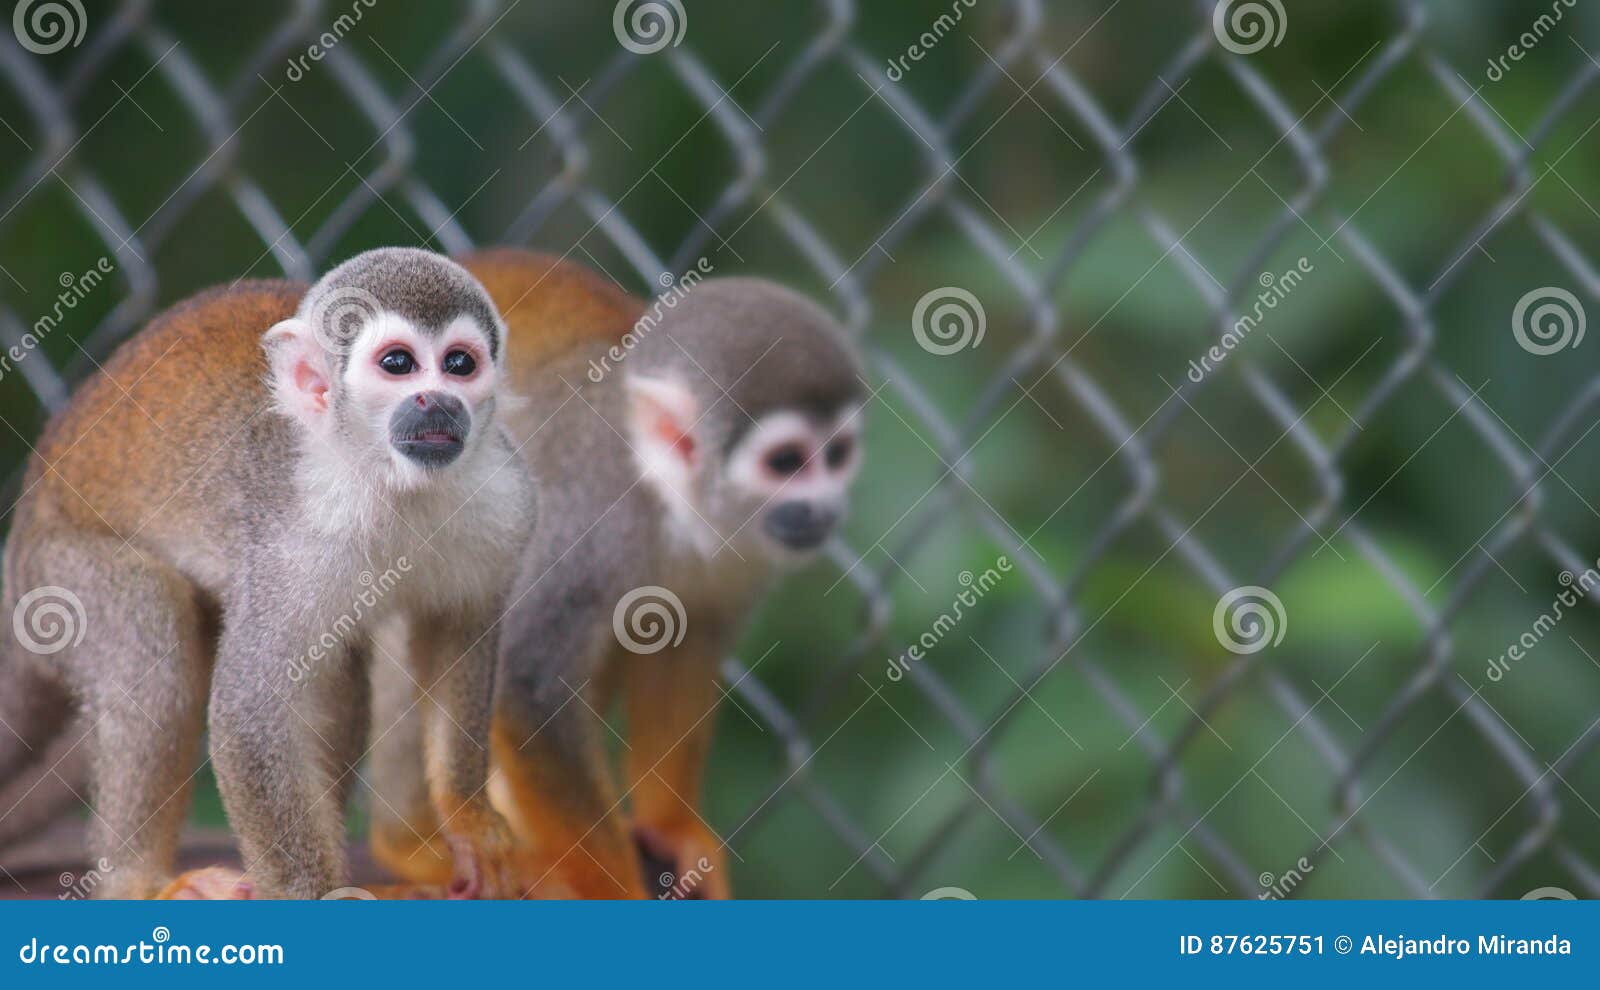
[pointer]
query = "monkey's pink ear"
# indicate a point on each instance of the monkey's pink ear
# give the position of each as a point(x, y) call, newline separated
point(661, 417)
point(300, 373)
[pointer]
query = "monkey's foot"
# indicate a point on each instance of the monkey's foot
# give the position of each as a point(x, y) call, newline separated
point(412, 855)
point(485, 857)
point(214, 883)
point(682, 864)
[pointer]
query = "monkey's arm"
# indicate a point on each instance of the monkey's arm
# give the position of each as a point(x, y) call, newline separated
point(672, 701)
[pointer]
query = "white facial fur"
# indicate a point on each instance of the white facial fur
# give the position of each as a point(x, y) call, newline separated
point(819, 479)
point(303, 370)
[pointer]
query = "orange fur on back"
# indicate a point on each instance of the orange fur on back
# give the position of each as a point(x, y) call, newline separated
point(159, 408)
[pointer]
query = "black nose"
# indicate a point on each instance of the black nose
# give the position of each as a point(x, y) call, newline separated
point(800, 525)
point(430, 428)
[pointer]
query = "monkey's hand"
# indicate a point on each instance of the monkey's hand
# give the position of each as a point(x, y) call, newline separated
point(214, 883)
point(485, 856)
point(682, 862)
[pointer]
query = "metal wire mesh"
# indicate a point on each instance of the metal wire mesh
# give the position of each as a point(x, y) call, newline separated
point(156, 251)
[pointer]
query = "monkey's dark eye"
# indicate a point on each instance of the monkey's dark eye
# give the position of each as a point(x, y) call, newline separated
point(459, 363)
point(839, 452)
point(398, 362)
point(786, 460)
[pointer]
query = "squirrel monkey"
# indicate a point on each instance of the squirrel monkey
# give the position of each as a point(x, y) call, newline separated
point(205, 518)
point(685, 453)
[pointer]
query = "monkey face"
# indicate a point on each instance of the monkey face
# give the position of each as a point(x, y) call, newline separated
point(780, 490)
point(792, 472)
point(406, 392)
point(422, 394)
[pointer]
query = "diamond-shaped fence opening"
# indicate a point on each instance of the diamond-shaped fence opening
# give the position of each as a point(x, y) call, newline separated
point(1232, 354)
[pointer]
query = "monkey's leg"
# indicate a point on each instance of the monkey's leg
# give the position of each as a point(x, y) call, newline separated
point(554, 784)
point(270, 745)
point(458, 665)
point(672, 701)
point(140, 673)
point(405, 835)
point(344, 734)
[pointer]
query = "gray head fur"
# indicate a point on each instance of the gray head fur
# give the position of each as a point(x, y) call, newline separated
point(427, 289)
point(769, 347)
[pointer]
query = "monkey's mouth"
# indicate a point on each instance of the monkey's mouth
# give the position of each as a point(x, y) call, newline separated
point(430, 429)
point(431, 448)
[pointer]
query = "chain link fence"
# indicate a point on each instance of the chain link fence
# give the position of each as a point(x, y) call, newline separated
point(1194, 440)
